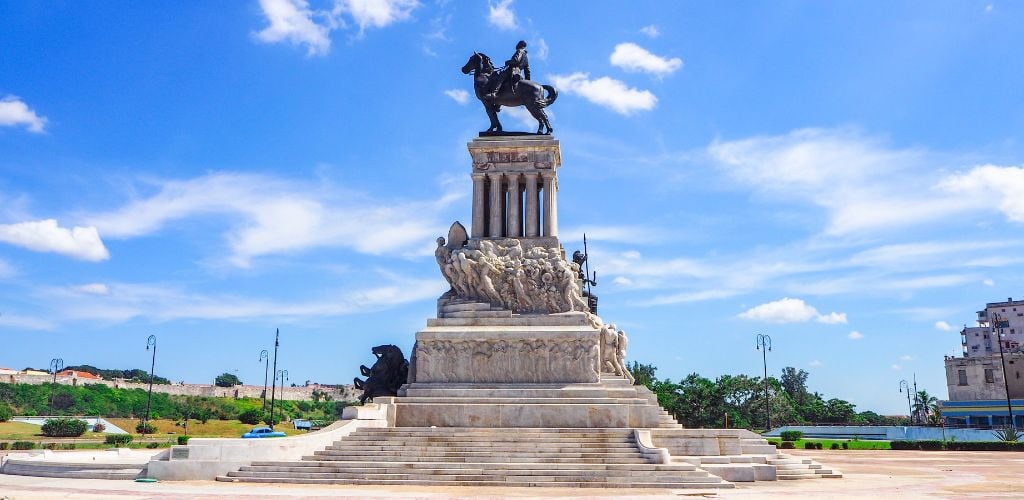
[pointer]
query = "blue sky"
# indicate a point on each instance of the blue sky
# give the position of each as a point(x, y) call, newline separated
point(846, 177)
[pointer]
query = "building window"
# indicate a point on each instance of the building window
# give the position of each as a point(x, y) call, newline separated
point(963, 376)
point(989, 375)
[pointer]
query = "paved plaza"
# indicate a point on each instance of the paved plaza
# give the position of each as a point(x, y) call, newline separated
point(867, 474)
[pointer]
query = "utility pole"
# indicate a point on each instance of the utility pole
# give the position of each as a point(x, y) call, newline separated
point(265, 357)
point(910, 412)
point(1006, 383)
point(56, 365)
point(764, 344)
point(917, 399)
point(273, 388)
point(150, 342)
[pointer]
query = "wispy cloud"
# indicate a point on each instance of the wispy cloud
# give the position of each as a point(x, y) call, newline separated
point(788, 310)
point(632, 57)
point(651, 31)
point(21, 322)
point(14, 112)
point(458, 95)
point(942, 325)
point(295, 22)
point(501, 16)
point(855, 335)
point(541, 49)
point(81, 243)
point(274, 216)
point(606, 92)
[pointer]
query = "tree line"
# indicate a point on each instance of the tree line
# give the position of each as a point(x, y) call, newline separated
point(739, 401)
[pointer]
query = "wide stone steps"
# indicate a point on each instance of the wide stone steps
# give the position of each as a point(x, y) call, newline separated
point(482, 457)
point(788, 468)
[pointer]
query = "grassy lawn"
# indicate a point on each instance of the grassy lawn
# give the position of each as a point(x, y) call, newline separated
point(212, 428)
point(20, 431)
point(853, 445)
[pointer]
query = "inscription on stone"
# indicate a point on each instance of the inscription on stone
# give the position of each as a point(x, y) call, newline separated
point(507, 157)
point(179, 453)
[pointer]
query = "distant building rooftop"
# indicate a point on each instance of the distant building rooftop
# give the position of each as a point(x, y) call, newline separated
point(78, 374)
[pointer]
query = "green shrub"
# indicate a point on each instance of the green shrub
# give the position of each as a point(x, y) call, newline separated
point(817, 446)
point(1008, 435)
point(5, 412)
point(788, 445)
point(277, 420)
point(930, 445)
point(835, 446)
point(808, 445)
point(118, 439)
point(152, 445)
point(23, 445)
point(252, 416)
point(67, 446)
point(183, 440)
point(846, 446)
point(64, 427)
point(144, 427)
point(4, 445)
point(791, 435)
point(50, 446)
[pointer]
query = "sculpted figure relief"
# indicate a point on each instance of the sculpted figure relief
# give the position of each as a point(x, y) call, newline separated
point(502, 273)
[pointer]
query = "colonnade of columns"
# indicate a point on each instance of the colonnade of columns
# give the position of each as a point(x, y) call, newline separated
point(512, 204)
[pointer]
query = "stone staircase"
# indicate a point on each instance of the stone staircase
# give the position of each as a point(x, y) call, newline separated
point(568, 457)
point(789, 467)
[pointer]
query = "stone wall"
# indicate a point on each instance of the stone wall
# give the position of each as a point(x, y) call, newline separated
point(305, 393)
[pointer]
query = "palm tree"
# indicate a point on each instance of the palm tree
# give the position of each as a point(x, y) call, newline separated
point(924, 405)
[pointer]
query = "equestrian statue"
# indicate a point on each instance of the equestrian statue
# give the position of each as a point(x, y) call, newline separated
point(510, 86)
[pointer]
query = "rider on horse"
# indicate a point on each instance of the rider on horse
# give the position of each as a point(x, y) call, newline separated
point(516, 69)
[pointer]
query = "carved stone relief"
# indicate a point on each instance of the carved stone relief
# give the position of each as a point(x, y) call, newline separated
point(507, 361)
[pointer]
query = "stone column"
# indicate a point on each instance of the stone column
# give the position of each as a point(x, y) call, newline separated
point(550, 204)
point(497, 206)
point(479, 229)
point(515, 213)
point(532, 206)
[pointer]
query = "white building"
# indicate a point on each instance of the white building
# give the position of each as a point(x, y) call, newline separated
point(979, 341)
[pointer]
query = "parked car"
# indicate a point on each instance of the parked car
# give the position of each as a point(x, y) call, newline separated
point(263, 432)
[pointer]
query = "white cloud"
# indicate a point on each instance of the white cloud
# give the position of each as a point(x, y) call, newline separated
point(863, 185)
point(994, 187)
point(521, 115)
point(832, 318)
point(458, 95)
point(292, 21)
point(273, 216)
point(541, 49)
point(606, 92)
point(855, 335)
point(10, 320)
point(92, 288)
point(906, 357)
point(632, 57)
point(162, 302)
point(788, 310)
point(81, 243)
point(651, 31)
point(501, 16)
point(942, 325)
point(896, 367)
point(815, 363)
point(988, 282)
point(295, 22)
point(378, 13)
point(622, 281)
point(14, 112)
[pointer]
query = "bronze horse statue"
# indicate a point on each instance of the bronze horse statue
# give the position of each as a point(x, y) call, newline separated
point(526, 93)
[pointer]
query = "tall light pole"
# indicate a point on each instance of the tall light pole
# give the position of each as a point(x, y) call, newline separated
point(150, 342)
point(997, 323)
point(906, 385)
point(265, 356)
point(283, 375)
point(764, 344)
point(56, 365)
point(273, 388)
point(917, 399)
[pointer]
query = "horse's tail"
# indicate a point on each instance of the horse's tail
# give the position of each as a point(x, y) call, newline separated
point(550, 99)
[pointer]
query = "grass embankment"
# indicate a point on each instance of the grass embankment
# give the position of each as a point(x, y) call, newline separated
point(212, 428)
point(20, 431)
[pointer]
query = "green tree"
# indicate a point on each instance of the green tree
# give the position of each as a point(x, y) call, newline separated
point(642, 374)
point(924, 406)
point(227, 380)
point(5, 412)
point(794, 382)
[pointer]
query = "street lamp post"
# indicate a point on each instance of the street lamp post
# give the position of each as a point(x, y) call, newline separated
point(910, 413)
point(997, 323)
point(917, 399)
point(283, 375)
point(150, 342)
point(273, 387)
point(265, 357)
point(764, 344)
point(56, 365)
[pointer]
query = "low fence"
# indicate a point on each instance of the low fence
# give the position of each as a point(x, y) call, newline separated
point(887, 433)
